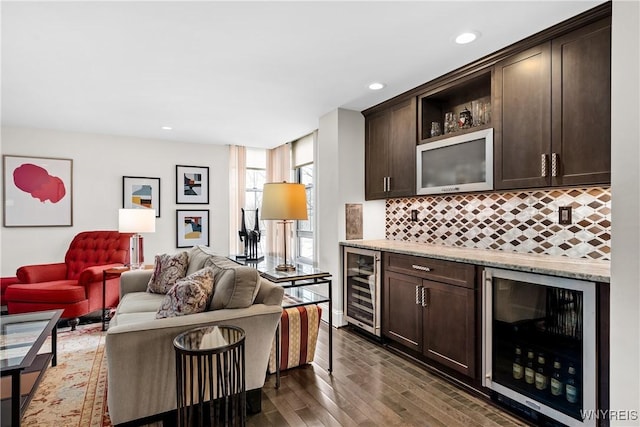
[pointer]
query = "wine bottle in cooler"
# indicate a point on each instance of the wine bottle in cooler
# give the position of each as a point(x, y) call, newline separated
point(518, 369)
point(571, 388)
point(529, 371)
point(541, 377)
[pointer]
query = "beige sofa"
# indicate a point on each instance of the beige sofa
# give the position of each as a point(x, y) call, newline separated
point(140, 353)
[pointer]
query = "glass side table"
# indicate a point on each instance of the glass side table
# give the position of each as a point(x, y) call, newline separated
point(210, 376)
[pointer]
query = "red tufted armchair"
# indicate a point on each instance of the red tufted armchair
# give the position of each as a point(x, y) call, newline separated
point(74, 285)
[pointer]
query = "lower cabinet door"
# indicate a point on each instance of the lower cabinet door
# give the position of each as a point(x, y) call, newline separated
point(402, 321)
point(449, 332)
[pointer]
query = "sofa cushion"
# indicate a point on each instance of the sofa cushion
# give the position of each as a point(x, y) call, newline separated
point(140, 302)
point(168, 269)
point(236, 286)
point(198, 255)
point(189, 295)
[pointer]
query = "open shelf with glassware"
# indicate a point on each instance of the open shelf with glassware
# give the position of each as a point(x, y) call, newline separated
point(463, 105)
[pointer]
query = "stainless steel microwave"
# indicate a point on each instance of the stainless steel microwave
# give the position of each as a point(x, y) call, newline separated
point(456, 164)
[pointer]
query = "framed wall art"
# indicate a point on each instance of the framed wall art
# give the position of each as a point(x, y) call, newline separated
point(140, 192)
point(37, 191)
point(192, 184)
point(192, 228)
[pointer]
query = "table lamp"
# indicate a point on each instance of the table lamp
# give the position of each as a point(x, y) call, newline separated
point(284, 202)
point(136, 221)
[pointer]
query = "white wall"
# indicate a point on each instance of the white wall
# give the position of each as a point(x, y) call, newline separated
point(99, 163)
point(625, 209)
point(340, 179)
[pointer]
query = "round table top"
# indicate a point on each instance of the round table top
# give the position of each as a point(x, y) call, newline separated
point(210, 339)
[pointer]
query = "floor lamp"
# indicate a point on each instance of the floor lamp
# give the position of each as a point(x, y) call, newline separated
point(284, 202)
point(136, 221)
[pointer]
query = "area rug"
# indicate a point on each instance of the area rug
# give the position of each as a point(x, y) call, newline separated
point(73, 393)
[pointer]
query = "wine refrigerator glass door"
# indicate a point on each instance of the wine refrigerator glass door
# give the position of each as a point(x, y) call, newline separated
point(539, 342)
point(362, 288)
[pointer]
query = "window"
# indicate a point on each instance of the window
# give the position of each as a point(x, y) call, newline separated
point(255, 177)
point(304, 229)
point(302, 160)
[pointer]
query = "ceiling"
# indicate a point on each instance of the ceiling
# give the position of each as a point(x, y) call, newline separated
point(248, 73)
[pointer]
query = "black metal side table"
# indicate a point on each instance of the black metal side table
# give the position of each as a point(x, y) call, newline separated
point(210, 376)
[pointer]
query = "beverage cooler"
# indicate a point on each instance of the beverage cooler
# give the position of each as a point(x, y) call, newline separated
point(361, 279)
point(539, 344)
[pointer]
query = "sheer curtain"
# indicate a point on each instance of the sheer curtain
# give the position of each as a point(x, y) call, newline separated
point(278, 170)
point(237, 186)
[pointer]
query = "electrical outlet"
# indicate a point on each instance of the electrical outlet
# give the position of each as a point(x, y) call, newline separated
point(564, 215)
point(414, 215)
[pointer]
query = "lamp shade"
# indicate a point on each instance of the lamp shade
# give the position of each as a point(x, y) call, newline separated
point(284, 201)
point(137, 220)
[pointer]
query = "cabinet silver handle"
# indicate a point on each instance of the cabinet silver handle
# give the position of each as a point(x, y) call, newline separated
point(554, 164)
point(543, 165)
point(384, 184)
point(423, 297)
point(388, 183)
point(418, 294)
point(420, 267)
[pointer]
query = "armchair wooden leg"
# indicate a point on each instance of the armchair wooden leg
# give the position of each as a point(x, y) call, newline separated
point(73, 323)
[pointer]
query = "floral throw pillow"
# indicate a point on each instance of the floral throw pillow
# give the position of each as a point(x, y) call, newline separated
point(168, 269)
point(189, 295)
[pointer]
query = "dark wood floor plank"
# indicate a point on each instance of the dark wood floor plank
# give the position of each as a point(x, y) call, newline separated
point(340, 406)
point(370, 386)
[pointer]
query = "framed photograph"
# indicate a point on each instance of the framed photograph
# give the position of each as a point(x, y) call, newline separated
point(192, 228)
point(192, 184)
point(139, 192)
point(37, 191)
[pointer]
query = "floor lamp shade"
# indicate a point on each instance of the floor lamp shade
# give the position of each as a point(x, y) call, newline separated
point(284, 202)
point(136, 221)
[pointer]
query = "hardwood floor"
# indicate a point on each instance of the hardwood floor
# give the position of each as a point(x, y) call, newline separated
point(370, 386)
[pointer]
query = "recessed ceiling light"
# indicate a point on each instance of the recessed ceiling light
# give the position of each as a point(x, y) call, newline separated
point(467, 37)
point(167, 128)
point(376, 86)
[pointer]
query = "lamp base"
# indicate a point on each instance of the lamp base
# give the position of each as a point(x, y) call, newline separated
point(286, 267)
point(136, 252)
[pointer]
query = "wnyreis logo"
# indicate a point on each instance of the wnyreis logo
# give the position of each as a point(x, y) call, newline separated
point(609, 414)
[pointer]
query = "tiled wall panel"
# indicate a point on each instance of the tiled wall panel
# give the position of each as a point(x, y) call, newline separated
point(523, 221)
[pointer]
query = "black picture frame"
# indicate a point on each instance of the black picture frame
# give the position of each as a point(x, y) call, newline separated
point(192, 185)
point(192, 227)
point(141, 192)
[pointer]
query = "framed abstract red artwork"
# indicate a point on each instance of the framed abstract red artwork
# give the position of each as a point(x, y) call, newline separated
point(37, 192)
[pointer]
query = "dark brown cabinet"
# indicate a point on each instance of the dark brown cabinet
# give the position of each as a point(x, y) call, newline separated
point(449, 326)
point(430, 308)
point(390, 150)
point(581, 105)
point(552, 110)
point(402, 314)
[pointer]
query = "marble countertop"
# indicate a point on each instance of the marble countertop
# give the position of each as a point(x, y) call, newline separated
point(584, 269)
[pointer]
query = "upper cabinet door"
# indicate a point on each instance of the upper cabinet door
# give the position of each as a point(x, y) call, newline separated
point(581, 125)
point(402, 149)
point(522, 119)
point(376, 158)
point(390, 151)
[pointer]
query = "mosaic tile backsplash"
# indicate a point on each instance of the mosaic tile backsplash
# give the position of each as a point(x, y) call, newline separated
point(523, 221)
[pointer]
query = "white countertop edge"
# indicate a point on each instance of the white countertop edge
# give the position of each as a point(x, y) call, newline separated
point(583, 269)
